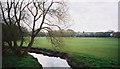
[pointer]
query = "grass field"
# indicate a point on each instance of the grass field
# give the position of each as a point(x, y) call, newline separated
point(90, 51)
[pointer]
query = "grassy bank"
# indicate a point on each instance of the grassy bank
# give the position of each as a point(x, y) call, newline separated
point(9, 60)
point(99, 52)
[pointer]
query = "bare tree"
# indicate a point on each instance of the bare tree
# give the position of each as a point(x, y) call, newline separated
point(9, 11)
point(37, 15)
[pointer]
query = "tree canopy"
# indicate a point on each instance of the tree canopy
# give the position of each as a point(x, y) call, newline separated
point(36, 15)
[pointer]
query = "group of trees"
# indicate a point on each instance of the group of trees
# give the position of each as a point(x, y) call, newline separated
point(72, 33)
point(97, 34)
point(116, 34)
point(94, 34)
point(61, 33)
point(37, 15)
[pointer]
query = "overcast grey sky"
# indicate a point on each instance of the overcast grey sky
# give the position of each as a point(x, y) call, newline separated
point(94, 15)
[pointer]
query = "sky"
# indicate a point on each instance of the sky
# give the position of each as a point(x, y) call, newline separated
point(93, 15)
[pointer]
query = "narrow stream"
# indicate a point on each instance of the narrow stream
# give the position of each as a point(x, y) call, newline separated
point(47, 61)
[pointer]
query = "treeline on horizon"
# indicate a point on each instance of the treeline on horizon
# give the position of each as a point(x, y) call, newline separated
point(72, 33)
point(56, 33)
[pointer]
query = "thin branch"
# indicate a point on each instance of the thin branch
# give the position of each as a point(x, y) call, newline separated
point(49, 6)
point(27, 24)
point(9, 9)
point(15, 12)
point(26, 6)
point(3, 14)
point(16, 3)
point(39, 6)
point(35, 8)
point(30, 11)
point(21, 5)
point(52, 25)
point(38, 17)
point(48, 20)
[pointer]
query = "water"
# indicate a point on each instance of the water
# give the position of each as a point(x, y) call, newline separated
point(47, 61)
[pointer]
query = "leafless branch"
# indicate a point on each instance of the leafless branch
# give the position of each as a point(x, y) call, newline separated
point(35, 8)
point(3, 14)
point(27, 24)
point(30, 11)
point(38, 17)
point(52, 25)
point(49, 6)
point(9, 6)
point(26, 5)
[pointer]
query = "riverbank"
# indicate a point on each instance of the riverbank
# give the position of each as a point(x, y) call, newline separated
point(9, 60)
point(52, 53)
point(86, 52)
point(82, 61)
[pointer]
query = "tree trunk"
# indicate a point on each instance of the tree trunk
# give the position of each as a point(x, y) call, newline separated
point(29, 46)
point(10, 45)
point(17, 50)
point(21, 44)
point(14, 48)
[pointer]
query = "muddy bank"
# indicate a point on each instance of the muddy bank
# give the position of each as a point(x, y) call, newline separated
point(51, 53)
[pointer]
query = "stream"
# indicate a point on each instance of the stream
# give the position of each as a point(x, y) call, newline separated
point(47, 61)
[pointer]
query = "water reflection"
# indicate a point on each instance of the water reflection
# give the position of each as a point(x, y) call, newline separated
point(47, 61)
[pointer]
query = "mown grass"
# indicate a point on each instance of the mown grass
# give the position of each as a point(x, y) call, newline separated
point(91, 51)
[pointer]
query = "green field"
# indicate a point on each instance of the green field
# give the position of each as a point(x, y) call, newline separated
point(90, 51)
